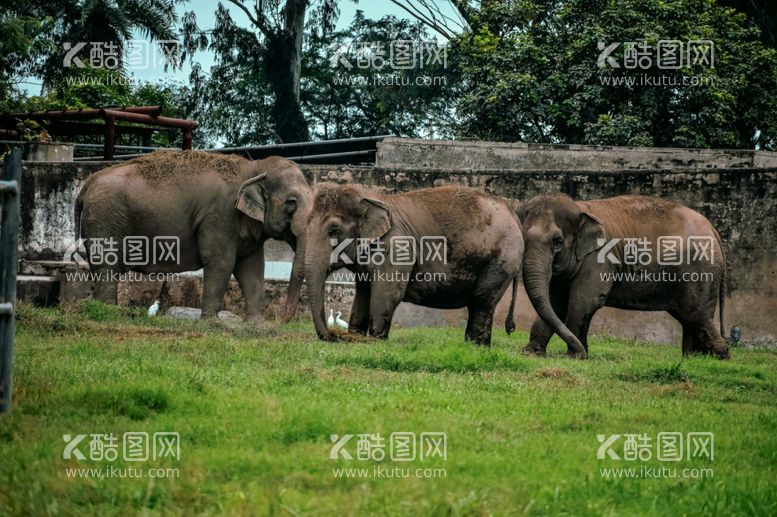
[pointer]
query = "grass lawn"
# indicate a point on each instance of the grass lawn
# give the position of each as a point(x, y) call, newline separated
point(255, 409)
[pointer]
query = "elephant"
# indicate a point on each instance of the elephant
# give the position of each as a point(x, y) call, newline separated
point(220, 208)
point(618, 252)
point(476, 236)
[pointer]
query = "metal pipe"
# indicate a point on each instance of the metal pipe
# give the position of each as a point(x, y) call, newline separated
point(9, 249)
point(301, 144)
point(11, 187)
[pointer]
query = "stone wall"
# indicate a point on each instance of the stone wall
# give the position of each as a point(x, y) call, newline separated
point(469, 155)
point(736, 190)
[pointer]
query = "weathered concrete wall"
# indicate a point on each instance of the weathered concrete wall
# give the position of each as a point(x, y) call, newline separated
point(468, 155)
point(740, 201)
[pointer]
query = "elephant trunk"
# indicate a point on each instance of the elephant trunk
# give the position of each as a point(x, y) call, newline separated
point(315, 276)
point(536, 279)
point(297, 277)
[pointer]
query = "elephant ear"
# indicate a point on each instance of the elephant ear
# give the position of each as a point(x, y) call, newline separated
point(590, 235)
point(250, 198)
point(376, 219)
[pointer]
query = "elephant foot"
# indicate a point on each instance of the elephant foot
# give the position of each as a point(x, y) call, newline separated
point(573, 354)
point(533, 350)
point(722, 354)
point(328, 336)
point(254, 319)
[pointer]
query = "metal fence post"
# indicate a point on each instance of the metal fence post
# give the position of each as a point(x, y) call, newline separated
point(10, 187)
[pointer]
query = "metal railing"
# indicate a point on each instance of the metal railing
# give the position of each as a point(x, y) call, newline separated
point(10, 188)
point(359, 150)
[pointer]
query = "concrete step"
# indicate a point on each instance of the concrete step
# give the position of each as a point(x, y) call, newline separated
point(38, 290)
point(273, 270)
point(46, 267)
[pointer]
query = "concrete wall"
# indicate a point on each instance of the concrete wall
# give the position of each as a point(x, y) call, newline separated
point(458, 155)
point(734, 190)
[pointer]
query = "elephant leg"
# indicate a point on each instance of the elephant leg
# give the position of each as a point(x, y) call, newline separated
point(540, 332)
point(384, 298)
point(580, 311)
point(705, 340)
point(583, 337)
point(104, 290)
point(710, 341)
point(689, 339)
point(700, 335)
point(218, 263)
point(539, 337)
point(480, 323)
point(359, 321)
point(249, 272)
point(491, 288)
point(215, 283)
point(102, 248)
point(105, 285)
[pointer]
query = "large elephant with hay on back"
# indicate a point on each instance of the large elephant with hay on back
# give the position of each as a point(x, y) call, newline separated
point(216, 210)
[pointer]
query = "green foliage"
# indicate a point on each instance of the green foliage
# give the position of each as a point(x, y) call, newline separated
point(341, 102)
point(25, 28)
point(531, 74)
point(33, 34)
point(251, 95)
point(32, 131)
point(524, 71)
point(102, 88)
point(232, 100)
point(255, 408)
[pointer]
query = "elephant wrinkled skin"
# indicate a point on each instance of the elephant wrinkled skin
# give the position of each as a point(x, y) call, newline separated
point(221, 209)
point(568, 279)
point(483, 254)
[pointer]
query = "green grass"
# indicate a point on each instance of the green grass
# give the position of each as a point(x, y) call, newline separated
point(255, 408)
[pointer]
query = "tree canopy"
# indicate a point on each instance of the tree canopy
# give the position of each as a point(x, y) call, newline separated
point(528, 70)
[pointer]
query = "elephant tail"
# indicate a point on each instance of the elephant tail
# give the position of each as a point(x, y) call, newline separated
point(722, 302)
point(79, 208)
point(510, 322)
point(722, 288)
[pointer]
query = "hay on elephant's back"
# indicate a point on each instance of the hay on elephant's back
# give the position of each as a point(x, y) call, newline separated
point(161, 166)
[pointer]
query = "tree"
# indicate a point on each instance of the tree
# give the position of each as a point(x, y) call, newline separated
point(101, 21)
point(342, 100)
point(25, 28)
point(432, 15)
point(534, 72)
point(761, 13)
point(272, 47)
point(102, 87)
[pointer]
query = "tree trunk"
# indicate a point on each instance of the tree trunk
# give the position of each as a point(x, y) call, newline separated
point(294, 26)
point(283, 65)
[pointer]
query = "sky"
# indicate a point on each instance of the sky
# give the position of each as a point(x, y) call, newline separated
point(204, 10)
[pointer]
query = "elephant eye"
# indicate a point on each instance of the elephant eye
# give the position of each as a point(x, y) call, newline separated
point(334, 232)
point(291, 204)
point(558, 242)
